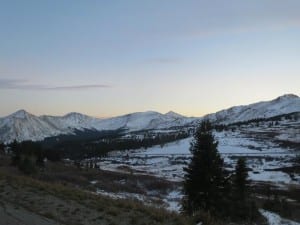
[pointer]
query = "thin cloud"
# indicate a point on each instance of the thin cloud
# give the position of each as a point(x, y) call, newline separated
point(79, 87)
point(11, 83)
point(22, 84)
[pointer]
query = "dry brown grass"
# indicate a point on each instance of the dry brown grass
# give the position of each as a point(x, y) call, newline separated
point(74, 206)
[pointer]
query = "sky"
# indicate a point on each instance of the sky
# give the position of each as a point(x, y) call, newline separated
point(108, 58)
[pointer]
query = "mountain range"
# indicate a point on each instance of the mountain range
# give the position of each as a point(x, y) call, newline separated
point(22, 125)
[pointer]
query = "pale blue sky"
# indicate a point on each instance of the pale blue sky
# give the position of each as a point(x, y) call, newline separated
point(106, 58)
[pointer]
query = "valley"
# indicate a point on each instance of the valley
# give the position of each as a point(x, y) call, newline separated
point(140, 158)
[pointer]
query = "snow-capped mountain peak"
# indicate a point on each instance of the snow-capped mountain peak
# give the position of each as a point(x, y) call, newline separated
point(174, 114)
point(21, 114)
point(77, 117)
point(134, 121)
point(284, 104)
point(286, 97)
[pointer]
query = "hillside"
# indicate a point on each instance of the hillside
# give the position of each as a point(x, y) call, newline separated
point(282, 105)
point(26, 201)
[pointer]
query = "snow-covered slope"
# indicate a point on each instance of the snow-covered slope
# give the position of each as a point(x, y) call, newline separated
point(22, 126)
point(143, 121)
point(174, 114)
point(282, 105)
point(71, 121)
point(25, 126)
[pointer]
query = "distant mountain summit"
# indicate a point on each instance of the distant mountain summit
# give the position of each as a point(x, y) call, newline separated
point(20, 114)
point(22, 125)
point(174, 114)
point(284, 104)
point(286, 97)
point(143, 121)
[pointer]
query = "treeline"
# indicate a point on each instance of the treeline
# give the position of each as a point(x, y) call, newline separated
point(29, 156)
point(81, 136)
point(77, 150)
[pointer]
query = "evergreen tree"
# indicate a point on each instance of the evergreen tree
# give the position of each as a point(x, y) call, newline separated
point(205, 186)
point(242, 204)
point(16, 153)
point(240, 180)
point(27, 156)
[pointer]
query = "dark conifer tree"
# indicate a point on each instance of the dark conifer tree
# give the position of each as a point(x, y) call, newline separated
point(205, 185)
point(16, 153)
point(27, 156)
point(240, 180)
point(244, 208)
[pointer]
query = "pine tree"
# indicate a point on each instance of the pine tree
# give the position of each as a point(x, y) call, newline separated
point(205, 186)
point(27, 156)
point(16, 153)
point(240, 180)
point(243, 206)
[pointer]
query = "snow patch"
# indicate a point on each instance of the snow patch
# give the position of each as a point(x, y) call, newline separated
point(275, 219)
